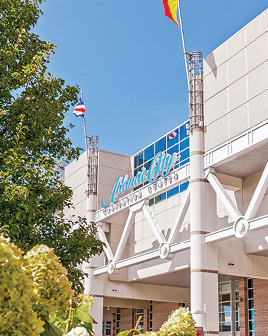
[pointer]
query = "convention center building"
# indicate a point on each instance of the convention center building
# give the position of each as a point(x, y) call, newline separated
point(185, 219)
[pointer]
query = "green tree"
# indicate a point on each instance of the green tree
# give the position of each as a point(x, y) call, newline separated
point(34, 141)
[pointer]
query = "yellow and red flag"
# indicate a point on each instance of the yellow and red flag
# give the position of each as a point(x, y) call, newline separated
point(170, 8)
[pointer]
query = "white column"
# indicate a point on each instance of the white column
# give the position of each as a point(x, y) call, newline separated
point(204, 274)
point(93, 284)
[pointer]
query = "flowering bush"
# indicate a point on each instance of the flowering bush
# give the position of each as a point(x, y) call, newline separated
point(79, 331)
point(34, 292)
point(16, 294)
point(179, 323)
point(49, 279)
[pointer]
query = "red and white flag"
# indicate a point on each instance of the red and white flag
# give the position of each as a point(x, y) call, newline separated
point(79, 108)
point(172, 135)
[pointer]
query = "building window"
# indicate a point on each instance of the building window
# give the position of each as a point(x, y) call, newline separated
point(138, 159)
point(118, 317)
point(107, 328)
point(137, 314)
point(236, 309)
point(184, 186)
point(178, 142)
point(225, 307)
point(149, 153)
point(229, 306)
point(160, 145)
point(172, 192)
point(151, 316)
point(251, 329)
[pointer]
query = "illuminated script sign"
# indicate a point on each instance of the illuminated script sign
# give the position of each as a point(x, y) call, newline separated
point(162, 164)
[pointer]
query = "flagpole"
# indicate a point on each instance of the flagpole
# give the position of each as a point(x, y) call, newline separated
point(183, 43)
point(85, 135)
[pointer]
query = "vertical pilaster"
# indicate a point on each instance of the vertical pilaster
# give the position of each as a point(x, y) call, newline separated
point(204, 274)
point(93, 285)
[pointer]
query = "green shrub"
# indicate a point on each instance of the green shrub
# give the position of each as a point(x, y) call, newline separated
point(17, 294)
point(49, 280)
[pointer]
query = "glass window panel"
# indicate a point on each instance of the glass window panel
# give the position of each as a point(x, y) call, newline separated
point(226, 287)
point(160, 198)
point(174, 149)
point(172, 192)
point(136, 171)
point(149, 153)
point(250, 283)
point(226, 297)
point(163, 196)
point(184, 186)
point(185, 161)
point(183, 132)
point(226, 327)
point(137, 314)
point(160, 145)
point(222, 317)
point(250, 293)
point(184, 144)
point(138, 160)
point(184, 154)
point(147, 164)
point(171, 141)
point(250, 304)
point(108, 328)
point(138, 187)
point(227, 307)
point(151, 201)
point(251, 314)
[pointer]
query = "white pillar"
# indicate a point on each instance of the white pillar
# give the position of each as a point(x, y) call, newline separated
point(204, 274)
point(93, 284)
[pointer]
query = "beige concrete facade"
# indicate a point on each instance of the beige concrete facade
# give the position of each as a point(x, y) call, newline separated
point(236, 83)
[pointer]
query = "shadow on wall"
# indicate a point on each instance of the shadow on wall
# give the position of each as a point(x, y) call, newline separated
point(210, 60)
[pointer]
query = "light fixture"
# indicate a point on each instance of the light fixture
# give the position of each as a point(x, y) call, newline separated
point(203, 312)
point(108, 308)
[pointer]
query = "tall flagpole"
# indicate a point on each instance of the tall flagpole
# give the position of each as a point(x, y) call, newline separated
point(183, 43)
point(85, 134)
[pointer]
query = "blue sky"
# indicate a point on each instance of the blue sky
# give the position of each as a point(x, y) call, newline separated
point(127, 58)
